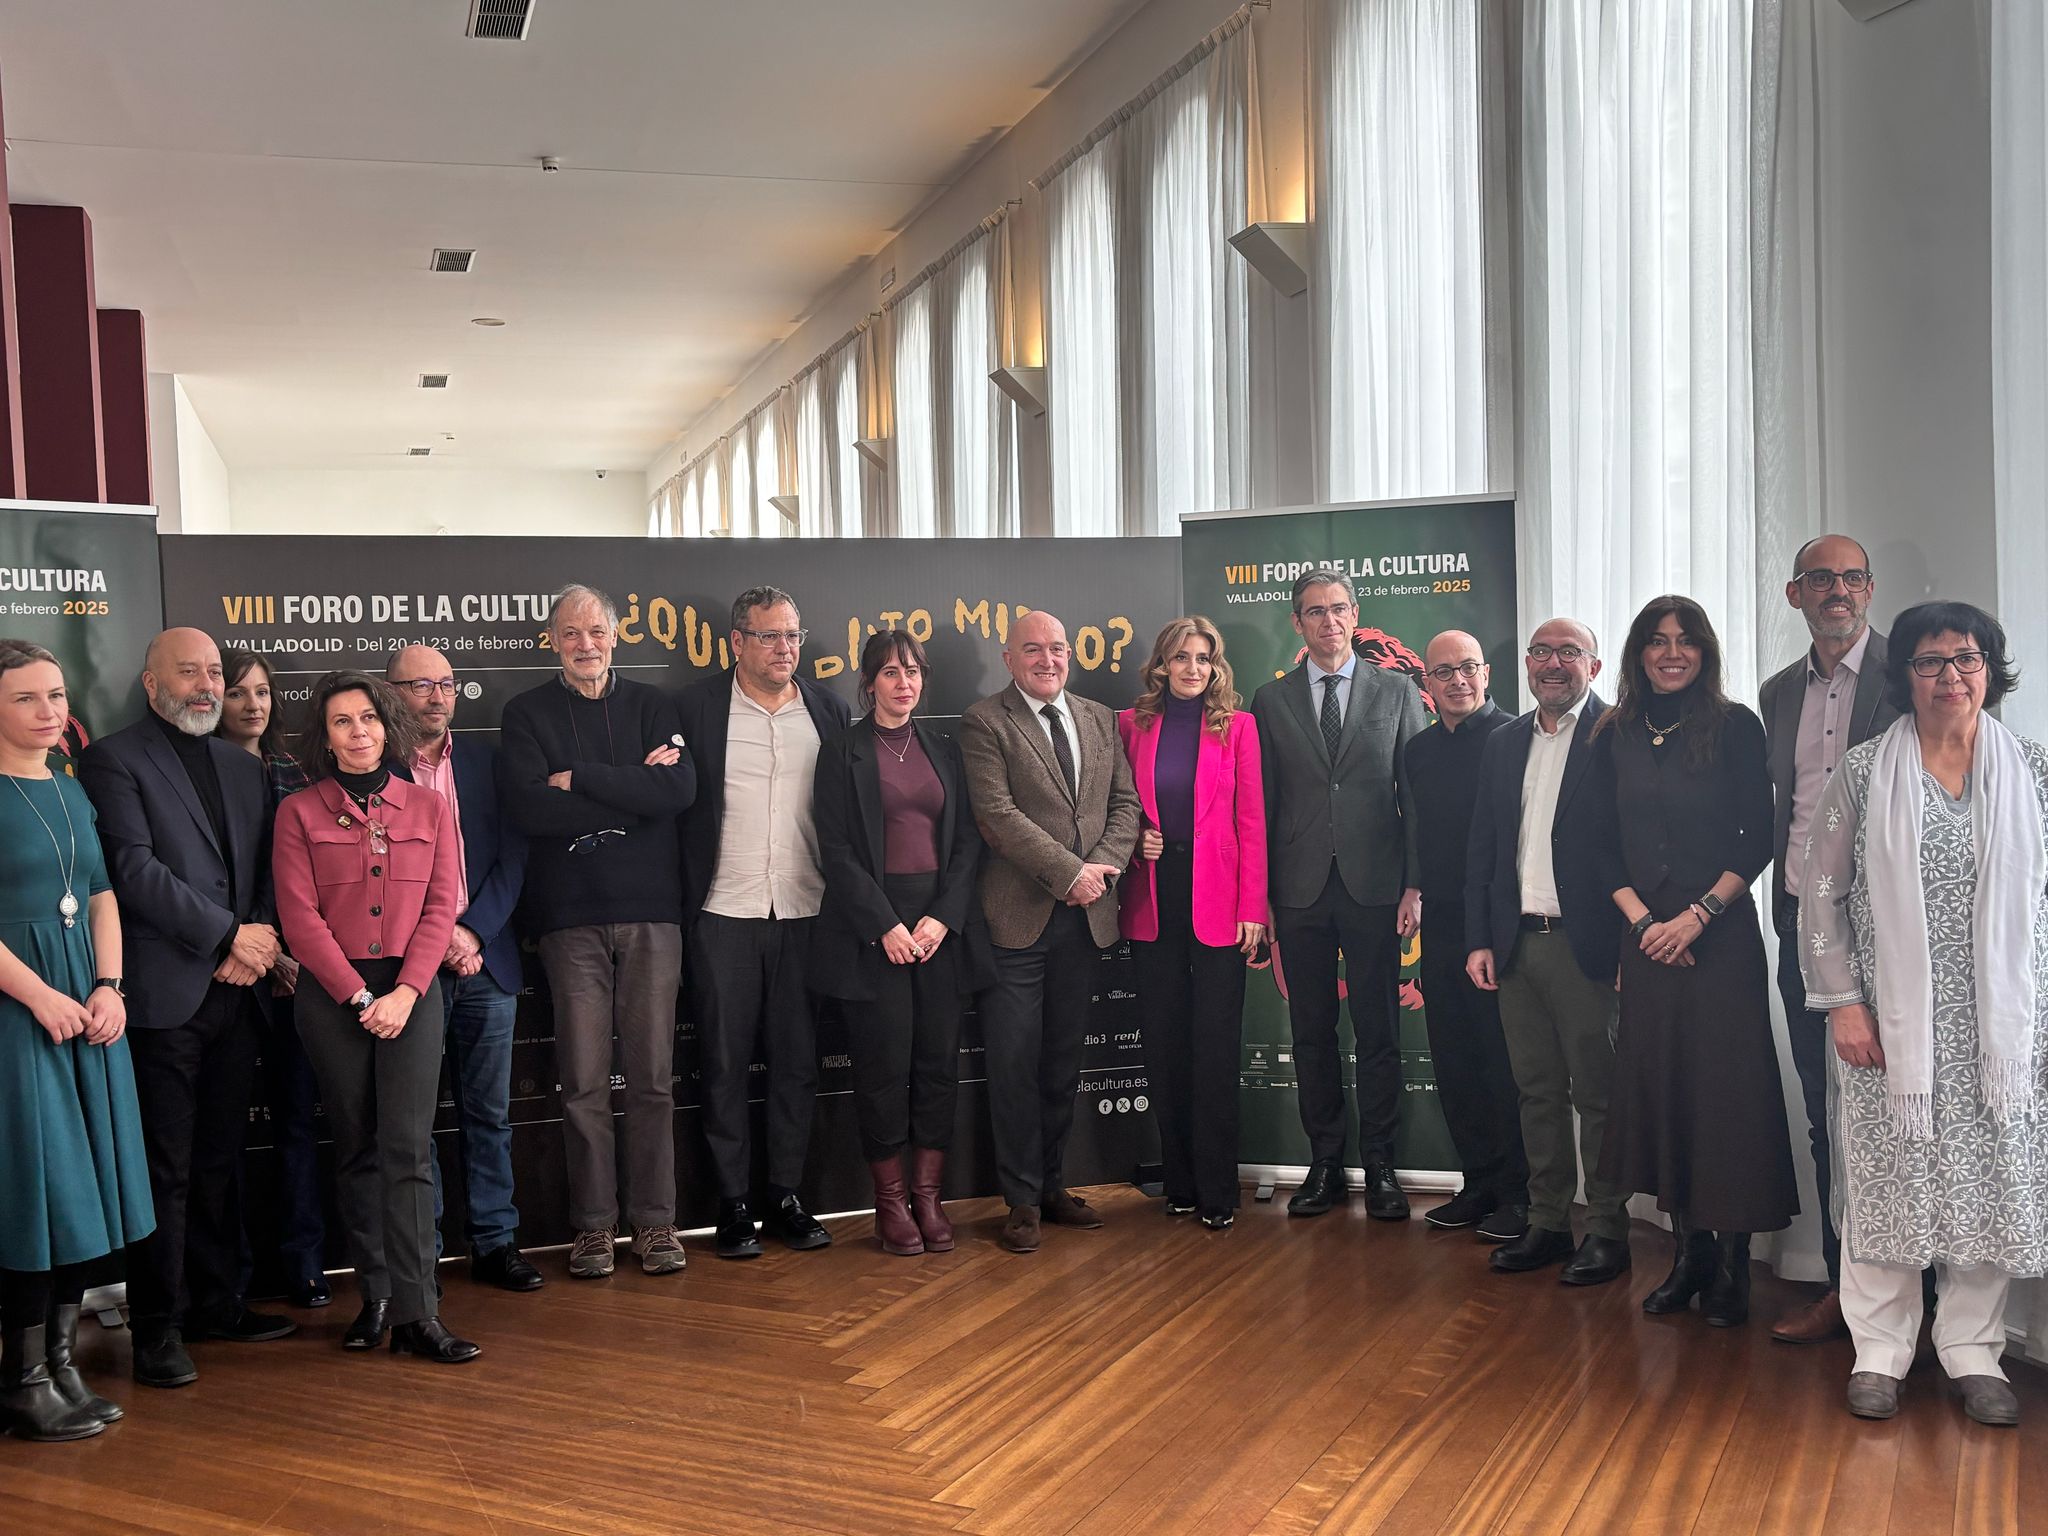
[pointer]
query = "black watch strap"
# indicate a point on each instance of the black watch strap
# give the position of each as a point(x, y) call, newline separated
point(113, 982)
point(1715, 905)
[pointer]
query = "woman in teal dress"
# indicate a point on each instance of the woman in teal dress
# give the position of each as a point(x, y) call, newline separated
point(74, 1185)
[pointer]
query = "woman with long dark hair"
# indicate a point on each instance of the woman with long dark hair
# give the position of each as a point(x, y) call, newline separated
point(368, 882)
point(1697, 1112)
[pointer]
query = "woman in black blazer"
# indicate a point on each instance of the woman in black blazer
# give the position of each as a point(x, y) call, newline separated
point(900, 938)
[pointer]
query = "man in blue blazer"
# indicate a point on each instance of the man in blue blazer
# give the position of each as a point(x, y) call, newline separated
point(184, 818)
point(1544, 931)
point(480, 978)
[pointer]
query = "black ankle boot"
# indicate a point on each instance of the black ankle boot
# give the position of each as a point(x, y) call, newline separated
point(59, 1339)
point(31, 1408)
point(1726, 1303)
point(1692, 1268)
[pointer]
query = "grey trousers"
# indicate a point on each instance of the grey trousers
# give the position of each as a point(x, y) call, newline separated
point(617, 983)
point(1559, 1025)
point(379, 1096)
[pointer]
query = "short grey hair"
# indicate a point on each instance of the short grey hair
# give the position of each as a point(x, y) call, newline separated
point(1322, 576)
point(575, 594)
point(759, 597)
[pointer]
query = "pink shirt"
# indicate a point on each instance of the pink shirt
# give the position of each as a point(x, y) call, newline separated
point(1823, 737)
point(441, 780)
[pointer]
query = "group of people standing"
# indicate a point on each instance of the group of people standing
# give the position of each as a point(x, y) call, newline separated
point(1580, 875)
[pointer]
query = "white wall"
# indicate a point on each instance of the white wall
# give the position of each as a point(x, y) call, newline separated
point(431, 498)
point(187, 474)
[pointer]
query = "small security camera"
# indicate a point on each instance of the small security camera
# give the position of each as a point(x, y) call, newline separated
point(600, 474)
point(549, 164)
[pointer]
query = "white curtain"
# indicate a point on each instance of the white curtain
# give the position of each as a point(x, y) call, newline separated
point(814, 458)
point(1082, 422)
point(978, 458)
point(767, 473)
point(739, 480)
point(1400, 289)
point(914, 449)
point(849, 425)
point(690, 503)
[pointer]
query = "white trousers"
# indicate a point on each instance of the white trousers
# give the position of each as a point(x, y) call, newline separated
point(1882, 1305)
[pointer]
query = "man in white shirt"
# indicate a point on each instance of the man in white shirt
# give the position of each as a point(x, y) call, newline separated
point(754, 889)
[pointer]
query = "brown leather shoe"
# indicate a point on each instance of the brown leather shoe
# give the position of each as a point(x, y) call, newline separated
point(1020, 1232)
point(1065, 1209)
point(1816, 1323)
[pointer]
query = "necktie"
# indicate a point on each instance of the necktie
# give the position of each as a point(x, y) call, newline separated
point(1062, 749)
point(1333, 722)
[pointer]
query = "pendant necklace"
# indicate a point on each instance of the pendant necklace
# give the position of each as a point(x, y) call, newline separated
point(1659, 732)
point(901, 757)
point(67, 905)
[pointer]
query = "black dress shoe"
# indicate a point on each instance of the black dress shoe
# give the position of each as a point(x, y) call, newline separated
point(1532, 1250)
point(1384, 1198)
point(1599, 1260)
point(430, 1339)
point(161, 1361)
point(797, 1227)
point(506, 1268)
point(244, 1327)
point(310, 1293)
point(1503, 1224)
point(1323, 1187)
point(1463, 1209)
point(736, 1236)
point(367, 1331)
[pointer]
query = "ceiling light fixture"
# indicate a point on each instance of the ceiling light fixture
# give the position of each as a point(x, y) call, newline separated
point(1278, 252)
point(486, 320)
point(1025, 386)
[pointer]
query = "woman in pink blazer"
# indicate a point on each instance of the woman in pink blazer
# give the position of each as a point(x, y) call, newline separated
point(369, 882)
point(1194, 904)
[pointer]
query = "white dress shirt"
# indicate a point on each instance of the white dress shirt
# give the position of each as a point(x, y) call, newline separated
point(1541, 781)
point(767, 841)
point(1315, 685)
point(1058, 702)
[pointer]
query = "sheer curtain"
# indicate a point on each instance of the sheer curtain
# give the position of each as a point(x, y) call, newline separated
point(978, 436)
point(814, 458)
point(739, 481)
point(767, 473)
point(849, 425)
point(914, 451)
point(1082, 422)
point(1401, 294)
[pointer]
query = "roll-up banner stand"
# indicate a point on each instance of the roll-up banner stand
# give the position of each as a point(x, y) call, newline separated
point(313, 604)
point(1419, 568)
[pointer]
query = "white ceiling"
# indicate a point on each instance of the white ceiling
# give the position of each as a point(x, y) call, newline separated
point(267, 178)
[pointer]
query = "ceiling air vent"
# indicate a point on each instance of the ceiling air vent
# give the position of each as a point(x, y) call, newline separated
point(417, 453)
point(505, 20)
point(433, 381)
point(453, 261)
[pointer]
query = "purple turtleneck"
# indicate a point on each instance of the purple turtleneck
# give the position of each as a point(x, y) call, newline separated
point(1173, 772)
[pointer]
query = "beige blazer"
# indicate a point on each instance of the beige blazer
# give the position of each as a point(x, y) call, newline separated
point(1030, 821)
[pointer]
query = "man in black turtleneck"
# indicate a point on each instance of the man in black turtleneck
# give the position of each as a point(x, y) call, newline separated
point(1475, 1084)
point(185, 821)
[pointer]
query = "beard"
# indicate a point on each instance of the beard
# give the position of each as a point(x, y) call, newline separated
point(1825, 627)
point(193, 717)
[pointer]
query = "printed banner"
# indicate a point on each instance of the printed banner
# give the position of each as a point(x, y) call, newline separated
point(1419, 569)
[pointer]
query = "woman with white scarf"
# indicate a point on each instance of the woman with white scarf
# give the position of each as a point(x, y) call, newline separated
point(1925, 939)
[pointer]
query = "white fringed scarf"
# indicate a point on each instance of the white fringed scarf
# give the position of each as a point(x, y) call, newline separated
point(2012, 866)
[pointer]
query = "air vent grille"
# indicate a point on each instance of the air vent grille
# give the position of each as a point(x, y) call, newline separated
point(505, 20)
point(446, 260)
point(433, 381)
point(417, 453)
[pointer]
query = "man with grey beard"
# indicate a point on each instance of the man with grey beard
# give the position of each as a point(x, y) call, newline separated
point(184, 819)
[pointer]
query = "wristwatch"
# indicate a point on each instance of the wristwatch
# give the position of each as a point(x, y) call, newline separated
point(1714, 905)
point(112, 982)
point(362, 1000)
point(1640, 926)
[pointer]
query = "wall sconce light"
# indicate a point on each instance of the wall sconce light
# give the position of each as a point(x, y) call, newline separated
point(874, 449)
point(786, 505)
point(1277, 252)
point(1024, 386)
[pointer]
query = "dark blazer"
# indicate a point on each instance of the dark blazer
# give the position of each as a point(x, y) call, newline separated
point(705, 709)
point(170, 875)
point(1780, 701)
point(1358, 811)
point(1493, 882)
point(493, 859)
point(847, 804)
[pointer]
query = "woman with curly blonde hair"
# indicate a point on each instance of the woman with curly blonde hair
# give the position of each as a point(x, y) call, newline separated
point(1194, 903)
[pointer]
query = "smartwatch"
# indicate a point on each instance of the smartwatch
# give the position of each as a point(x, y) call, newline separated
point(1713, 904)
point(112, 983)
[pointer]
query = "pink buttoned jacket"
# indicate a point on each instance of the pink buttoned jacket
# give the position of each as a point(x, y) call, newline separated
point(339, 902)
point(1230, 832)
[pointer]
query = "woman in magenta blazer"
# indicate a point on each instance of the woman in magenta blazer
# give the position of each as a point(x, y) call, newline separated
point(368, 877)
point(1194, 904)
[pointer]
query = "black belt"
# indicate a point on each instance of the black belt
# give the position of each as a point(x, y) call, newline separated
point(1536, 922)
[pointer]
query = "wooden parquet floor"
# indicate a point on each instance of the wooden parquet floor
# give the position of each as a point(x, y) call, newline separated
point(1331, 1375)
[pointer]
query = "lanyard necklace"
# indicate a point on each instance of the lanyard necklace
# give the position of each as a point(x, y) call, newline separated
point(67, 905)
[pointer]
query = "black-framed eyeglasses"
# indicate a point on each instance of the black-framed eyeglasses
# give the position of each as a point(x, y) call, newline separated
point(774, 637)
point(1564, 653)
point(1962, 661)
point(590, 842)
point(1820, 580)
point(427, 687)
point(1464, 669)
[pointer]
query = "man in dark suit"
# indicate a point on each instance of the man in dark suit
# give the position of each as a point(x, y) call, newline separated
point(1053, 796)
point(185, 821)
point(480, 978)
point(1829, 700)
point(1544, 931)
point(1344, 874)
point(753, 888)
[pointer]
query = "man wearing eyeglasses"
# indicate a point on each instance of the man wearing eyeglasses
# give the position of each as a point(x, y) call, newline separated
point(750, 854)
point(1344, 874)
point(1829, 700)
point(591, 768)
point(1475, 1084)
point(480, 978)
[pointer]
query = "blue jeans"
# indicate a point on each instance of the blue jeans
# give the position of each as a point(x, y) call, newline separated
point(480, 1015)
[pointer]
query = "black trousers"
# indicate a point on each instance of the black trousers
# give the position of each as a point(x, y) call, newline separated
point(1310, 939)
point(1807, 1033)
point(1035, 1022)
point(1475, 1084)
point(1192, 997)
point(748, 981)
point(906, 1041)
point(192, 1084)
